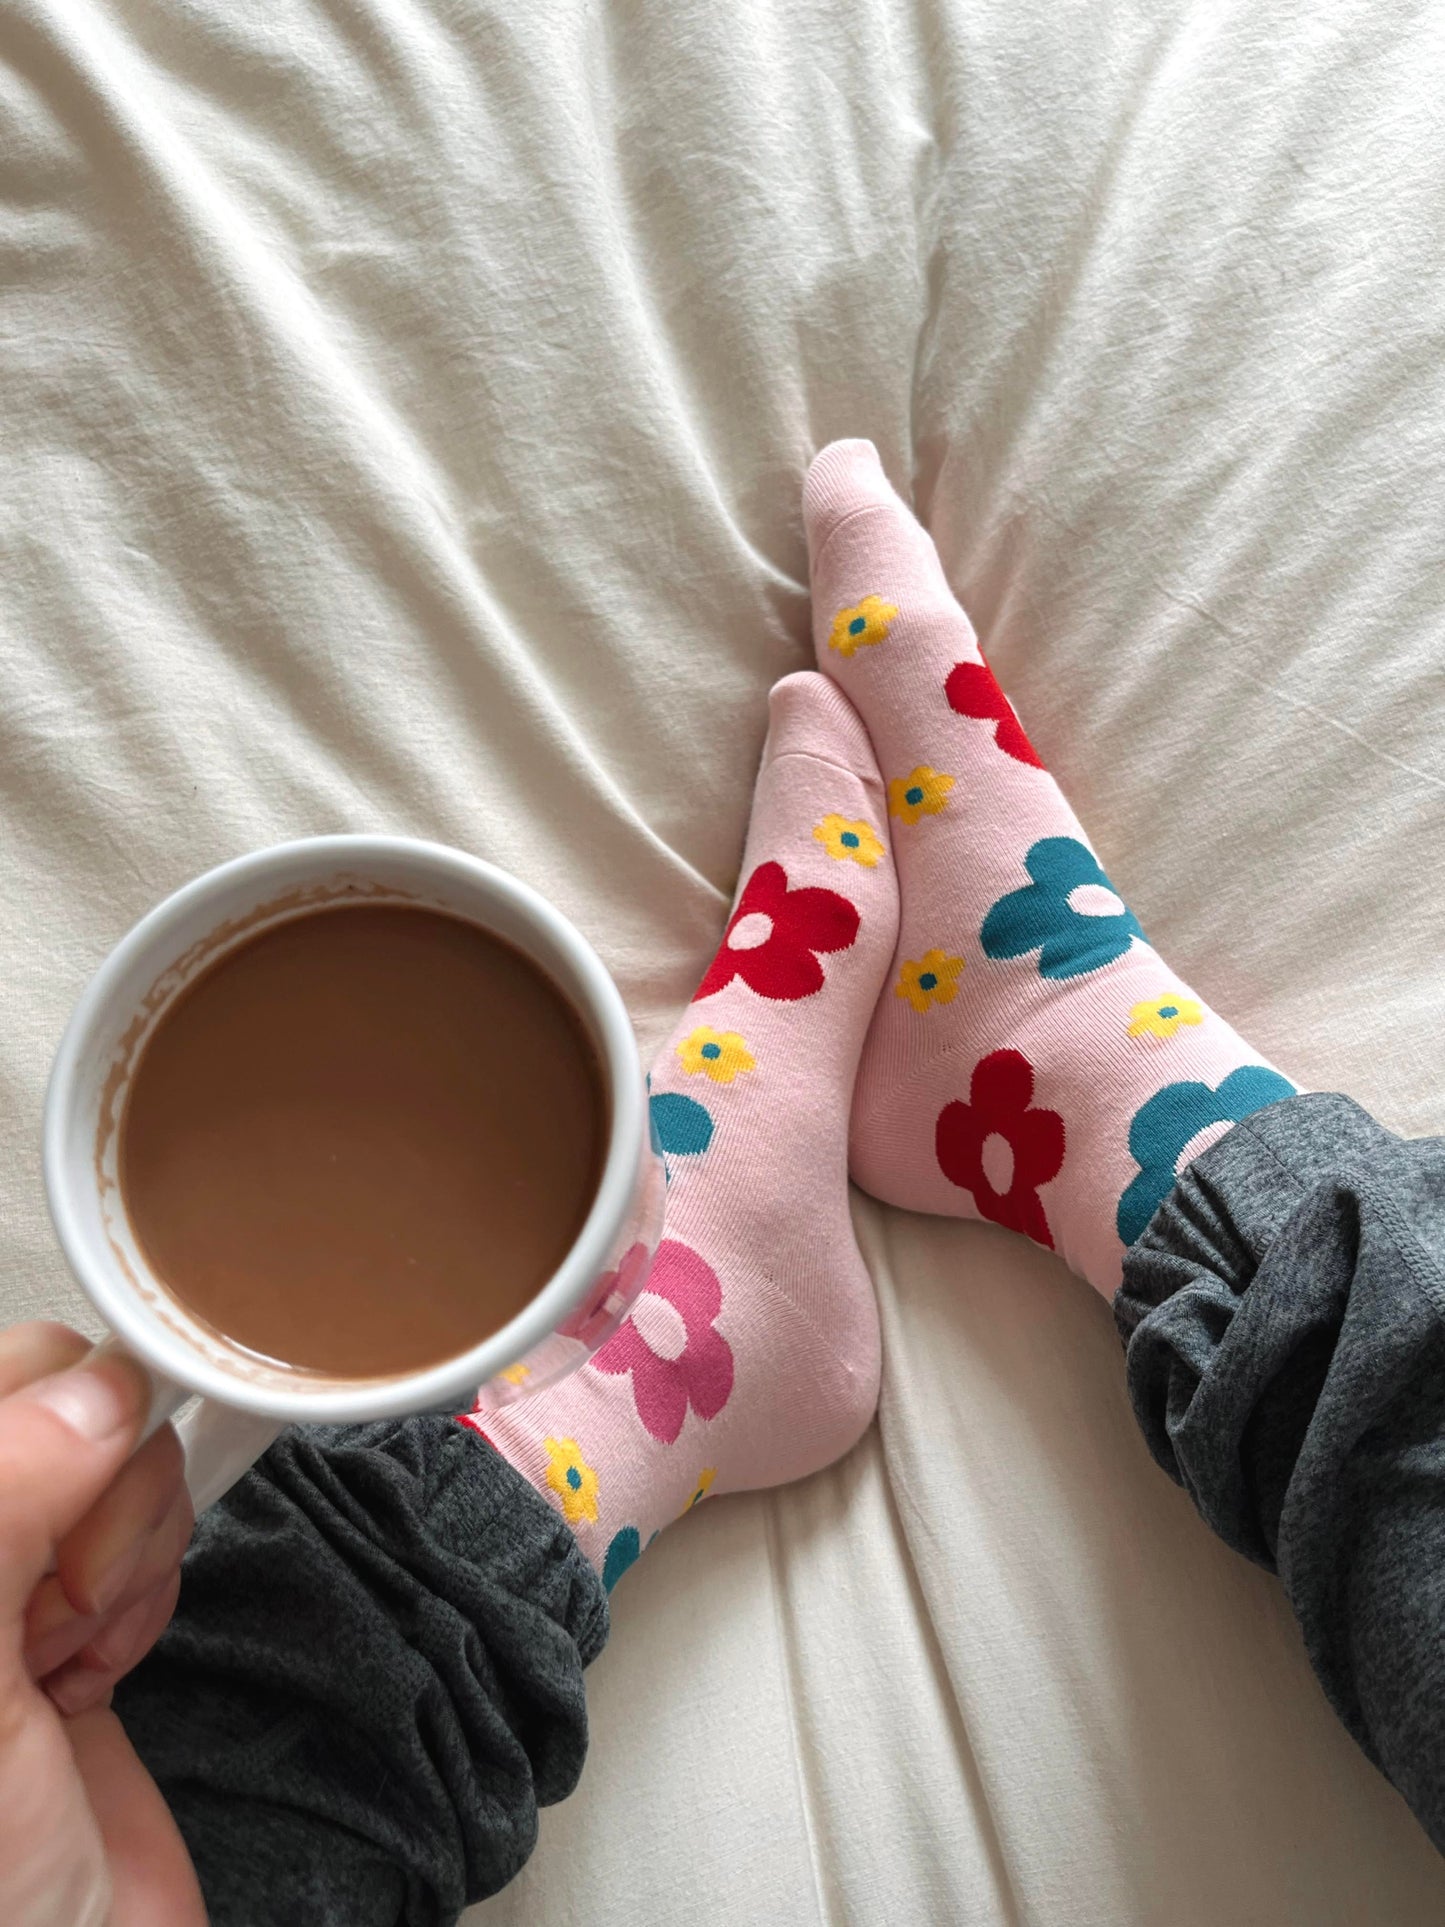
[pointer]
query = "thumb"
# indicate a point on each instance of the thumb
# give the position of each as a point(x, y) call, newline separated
point(62, 1440)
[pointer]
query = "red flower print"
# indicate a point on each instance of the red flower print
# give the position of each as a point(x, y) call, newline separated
point(973, 690)
point(1000, 1096)
point(701, 1374)
point(774, 937)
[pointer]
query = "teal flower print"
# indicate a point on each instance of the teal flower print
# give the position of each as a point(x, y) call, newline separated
point(680, 1126)
point(624, 1551)
point(1164, 1125)
point(1071, 936)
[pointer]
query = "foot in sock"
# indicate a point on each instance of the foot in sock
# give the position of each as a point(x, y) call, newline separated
point(1034, 1060)
point(751, 1356)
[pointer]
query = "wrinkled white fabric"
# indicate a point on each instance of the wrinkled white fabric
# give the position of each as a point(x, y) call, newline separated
point(404, 409)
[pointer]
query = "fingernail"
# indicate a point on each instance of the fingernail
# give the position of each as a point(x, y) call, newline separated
point(112, 1581)
point(111, 1646)
point(49, 1609)
point(54, 1630)
point(95, 1401)
point(77, 1689)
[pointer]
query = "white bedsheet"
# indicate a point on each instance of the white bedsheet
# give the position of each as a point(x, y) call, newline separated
point(404, 408)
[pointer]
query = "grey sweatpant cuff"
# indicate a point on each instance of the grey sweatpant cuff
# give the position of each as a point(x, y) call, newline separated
point(1284, 1313)
point(372, 1681)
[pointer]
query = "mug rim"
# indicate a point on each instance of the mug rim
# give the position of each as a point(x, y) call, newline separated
point(121, 1305)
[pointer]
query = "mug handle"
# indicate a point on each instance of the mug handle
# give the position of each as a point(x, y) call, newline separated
point(220, 1443)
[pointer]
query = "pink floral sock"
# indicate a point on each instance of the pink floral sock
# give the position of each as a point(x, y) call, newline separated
point(1033, 1061)
point(751, 1356)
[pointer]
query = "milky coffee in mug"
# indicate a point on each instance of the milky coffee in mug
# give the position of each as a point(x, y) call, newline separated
point(361, 1142)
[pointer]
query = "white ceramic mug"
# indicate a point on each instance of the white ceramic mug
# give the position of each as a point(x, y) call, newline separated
point(246, 1400)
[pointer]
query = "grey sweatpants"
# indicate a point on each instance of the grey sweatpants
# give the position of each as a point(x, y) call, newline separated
point(372, 1681)
point(1284, 1314)
point(374, 1678)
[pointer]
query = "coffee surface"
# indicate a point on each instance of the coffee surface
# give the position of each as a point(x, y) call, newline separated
point(361, 1141)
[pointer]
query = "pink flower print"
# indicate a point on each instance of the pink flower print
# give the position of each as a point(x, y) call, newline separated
point(613, 1290)
point(700, 1375)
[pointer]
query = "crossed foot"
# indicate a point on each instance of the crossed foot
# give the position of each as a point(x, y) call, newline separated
point(928, 981)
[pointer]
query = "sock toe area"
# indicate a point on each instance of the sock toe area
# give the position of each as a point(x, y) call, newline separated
point(808, 715)
point(843, 478)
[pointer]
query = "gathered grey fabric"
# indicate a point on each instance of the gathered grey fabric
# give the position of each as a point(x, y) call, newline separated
point(372, 1682)
point(1284, 1314)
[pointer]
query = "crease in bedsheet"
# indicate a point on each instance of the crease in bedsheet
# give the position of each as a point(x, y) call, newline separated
point(982, 1809)
point(1159, 44)
point(630, 249)
point(916, 92)
point(1231, 666)
point(910, 1527)
point(798, 1723)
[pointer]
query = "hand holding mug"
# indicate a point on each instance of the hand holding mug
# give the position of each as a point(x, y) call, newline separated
point(91, 1533)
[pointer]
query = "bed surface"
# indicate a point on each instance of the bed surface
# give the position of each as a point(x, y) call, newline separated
point(405, 405)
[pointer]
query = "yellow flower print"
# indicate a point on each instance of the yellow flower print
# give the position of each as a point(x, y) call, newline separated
point(702, 1488)
point(923, 792)
point(861, 626)
point(721, 1054)
point(1161, 1016)
point(849, 842)
point(573, 1480)
point(932, 980)
point(517, 1374)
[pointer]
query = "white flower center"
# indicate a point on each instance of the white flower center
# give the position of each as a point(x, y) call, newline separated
point(1093, 900)
point(751, 932)
point(1199, 1144)
point(997, 1158)
point(661, 1326)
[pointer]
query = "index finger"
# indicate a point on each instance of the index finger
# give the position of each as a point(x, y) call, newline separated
point(35, 1350)
point(94, 1559)
point(62, 1440)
